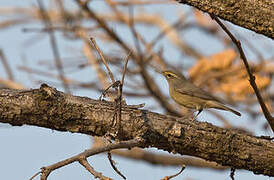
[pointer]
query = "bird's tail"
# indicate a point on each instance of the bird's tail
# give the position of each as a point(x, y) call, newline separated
point(223, 107)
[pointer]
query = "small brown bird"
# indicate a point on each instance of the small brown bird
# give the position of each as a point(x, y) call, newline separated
point(191, 96)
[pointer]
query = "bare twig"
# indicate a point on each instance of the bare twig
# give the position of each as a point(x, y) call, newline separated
point(125, 68)
point(173, 176)
point(95, 64)
point(118, 113)
point(54, 46)
point(232, 173)
point(90, 169)
point(118, 106)
point(103, 59)
point(87, 153)
point(166, 30)
point(6, 65)
point(266, 113)
point(139, 58)
point(118, 101)
point(112, 163)
point(36, 174)
point(113, 85)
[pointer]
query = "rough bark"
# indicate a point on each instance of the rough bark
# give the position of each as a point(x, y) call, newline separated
point(256, 15)
point(49, 108)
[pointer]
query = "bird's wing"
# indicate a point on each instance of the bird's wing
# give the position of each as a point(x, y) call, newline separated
point(192, 90)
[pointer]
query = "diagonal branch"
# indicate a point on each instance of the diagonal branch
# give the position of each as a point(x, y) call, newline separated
point(92, 40)
point(49, 108)
point(6, 65)
point(178, 173)
point(84, 162)
point(267, 114)
point(54, 46)
point(112, 163)
point(87, 153)
point(81, 158)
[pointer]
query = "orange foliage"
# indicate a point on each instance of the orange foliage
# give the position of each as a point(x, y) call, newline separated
point(231, 78)
point(241, 87)
point(218, 61)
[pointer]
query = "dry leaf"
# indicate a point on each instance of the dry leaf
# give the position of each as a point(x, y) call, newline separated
point(219, 61)
point(202, 66)
point(268, 66)
point(242, 86)
point(223, 59)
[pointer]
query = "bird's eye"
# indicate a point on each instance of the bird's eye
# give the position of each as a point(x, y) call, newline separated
point(169, 75)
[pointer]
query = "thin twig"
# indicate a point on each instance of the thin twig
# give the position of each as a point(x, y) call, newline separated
point(84, 6)
point(139, 58)
point(118, 101)
point(6, 65)
point(113, 85)
point(166, 31)
point(36, 174)
point(103, 59)
point(232, 173)
point(173, 176)
point(87, 153)
point(112, 163)
point(54, 46)
point(125, 67)
point(252, 82)
point(119, 113)
point(90, 169)
point(94, 63)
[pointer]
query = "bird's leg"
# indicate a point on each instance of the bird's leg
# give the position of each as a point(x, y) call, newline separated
point(199, 111)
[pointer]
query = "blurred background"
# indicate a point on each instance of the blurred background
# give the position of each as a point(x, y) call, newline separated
point(48, 42)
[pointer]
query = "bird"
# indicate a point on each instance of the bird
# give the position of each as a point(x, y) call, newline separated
point(185, 93)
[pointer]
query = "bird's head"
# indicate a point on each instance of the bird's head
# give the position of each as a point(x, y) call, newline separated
point(169, 75)
point(173, 78)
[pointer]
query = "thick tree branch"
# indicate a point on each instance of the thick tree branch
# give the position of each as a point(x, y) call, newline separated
point(256, 15)
point(47, 107)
